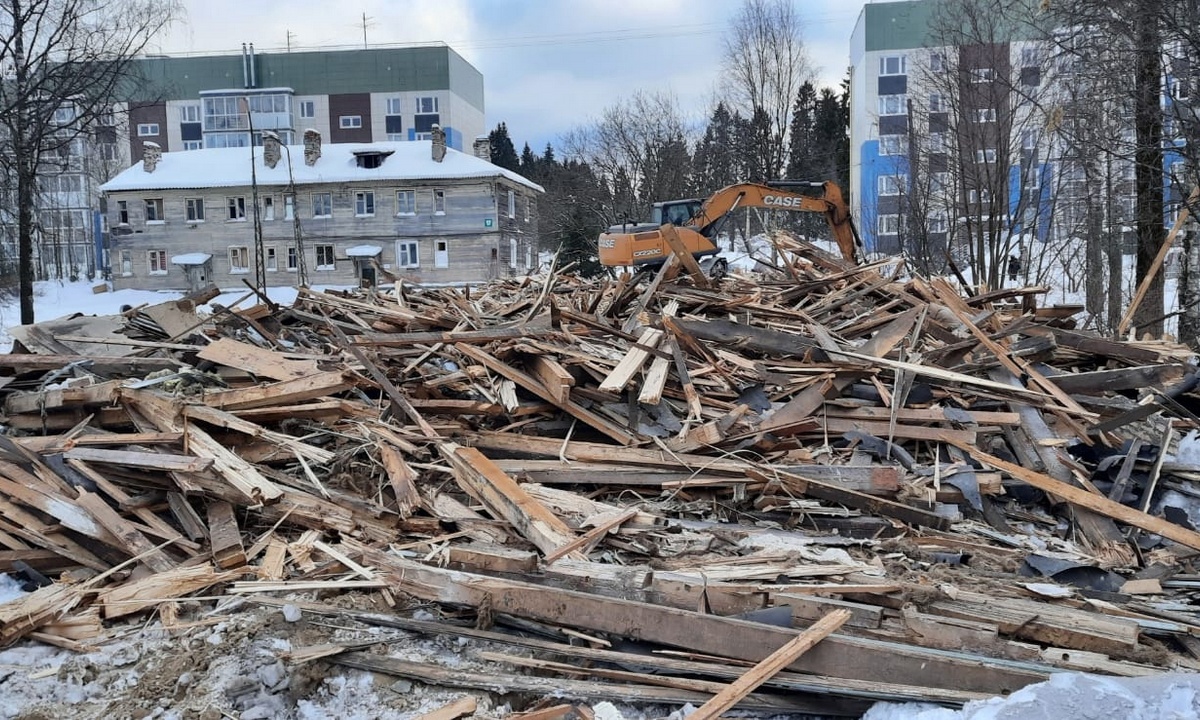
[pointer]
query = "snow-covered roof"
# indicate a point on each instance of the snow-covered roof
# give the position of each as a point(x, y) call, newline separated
point(190, 259)
point(363, 251)
point(228, 167)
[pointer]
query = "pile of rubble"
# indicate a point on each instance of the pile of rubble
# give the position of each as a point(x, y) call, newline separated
point(801, 491)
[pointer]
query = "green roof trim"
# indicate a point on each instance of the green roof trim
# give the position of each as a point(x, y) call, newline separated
point(405, 69)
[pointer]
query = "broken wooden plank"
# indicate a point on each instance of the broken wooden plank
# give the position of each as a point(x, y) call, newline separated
point(132, 458)
point(224, 536)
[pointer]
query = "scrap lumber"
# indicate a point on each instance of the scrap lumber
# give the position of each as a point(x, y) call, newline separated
point(225, 536)
point(1181, 219)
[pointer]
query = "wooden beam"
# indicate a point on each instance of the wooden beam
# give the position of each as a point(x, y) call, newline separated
point(462, 706)
point(770, 666)
point(284, 392)
point(132, 458)
point(225, 536)
point(1144, 285)
point(671, 236)
point(402, 478)
point(553, 376)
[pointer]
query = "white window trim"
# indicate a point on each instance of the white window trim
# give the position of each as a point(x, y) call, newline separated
point(162, 265)
point(881, 230)
point(986, 156)
point(983, 75)
point(434, 195)
point(240, 207)
point(350, 122)
point(413, 204)
point(416, 254)
point(317, 256)
point(985, 115)
point(893, 182)
point(143, 128)
point(312, 200)
point(187, 210)
point(121, 261)
point(902, 65)
point(239, 270)
point(268, 256)
point(363, 193)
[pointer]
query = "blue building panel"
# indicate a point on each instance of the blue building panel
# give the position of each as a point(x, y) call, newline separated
point(873, 166)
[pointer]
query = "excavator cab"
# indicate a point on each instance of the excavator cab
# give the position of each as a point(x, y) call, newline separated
point(676, 212)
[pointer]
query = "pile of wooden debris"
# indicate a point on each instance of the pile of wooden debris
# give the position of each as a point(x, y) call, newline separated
point(870, 484)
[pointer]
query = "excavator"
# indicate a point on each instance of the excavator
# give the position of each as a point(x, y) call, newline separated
point(697, 223)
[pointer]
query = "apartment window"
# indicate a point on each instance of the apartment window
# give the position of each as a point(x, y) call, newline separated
point(893, 65)
point(268, 207)
point(1030, 57)
point(1029, 139)
point(322, 205)
point(891, 144)
point(393, 106)
point(64, 115)
point(147, 129)
point(893, 104)
point(193, 144)
point(156, 261)
point(272, 260)
point(308, 108)
point(937, 103)
point(406, 253)
point(1179, 89)
point(937, 62)
point(292, 262)
point(985, 115)
point(189, 113)
point(324, 257)
point(512, 204)
point(348, 122)
point(239, 259)
point(426, 105)
point(937, 223)
point(236, 208)
point(364, 203)
point(154, 210)
point(891, 184)
point(406, 202)
point(289, 207)
point(889, 224)
point(939, 182)
point(126, 262)
point(439, 202)
point(987, 155)
point(123, 212)
point(980, 196)
point(1032, 177)
point(195, 209)
point(982, 75)
point(938, 143)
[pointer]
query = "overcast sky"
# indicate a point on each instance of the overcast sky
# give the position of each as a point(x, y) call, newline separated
point(548, 65)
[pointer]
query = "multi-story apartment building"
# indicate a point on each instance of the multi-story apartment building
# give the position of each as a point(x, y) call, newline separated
point(338, 214)
point(228, 100)
point(956, 136)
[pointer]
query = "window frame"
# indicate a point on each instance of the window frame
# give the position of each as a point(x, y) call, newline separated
point(937, 102)
point(235, 208)
point(364, 203)
point(439, 201)
point(890, 185)
point(322, 248)
point(350, 122)
point(271, 259)
point(143, 127)
point(883, 220)
point(415, 260)
point(412, 203)
point(310, 105)
point(289, 207)
point(398, 108)
point(892, 105)
point(161, 257)
point(243, 252)
point(886, 142)
point(122, 212)
point(194, 207)
point(159, 211)
point(126, 263)
point(512, 205)
point(292, 259)
point(983, 74)
point(901, 62)
point(268, 206)
point(985, 156)
point(328, 205)
point(985, 115)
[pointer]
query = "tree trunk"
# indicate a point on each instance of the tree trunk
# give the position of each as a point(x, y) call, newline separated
point(26, 170)
point(1148, 158)
point(1189, 290)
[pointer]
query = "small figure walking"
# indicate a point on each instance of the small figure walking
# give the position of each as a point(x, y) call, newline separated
point(1014, 267)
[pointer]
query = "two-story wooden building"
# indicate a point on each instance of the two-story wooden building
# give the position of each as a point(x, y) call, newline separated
point(338, 214)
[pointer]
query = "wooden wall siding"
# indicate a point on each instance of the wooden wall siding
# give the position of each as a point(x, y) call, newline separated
point(472, 245)
point(152, 113)
point(350, 104)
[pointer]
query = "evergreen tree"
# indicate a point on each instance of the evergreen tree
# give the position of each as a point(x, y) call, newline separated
point(800, 151)
point(831, 138)
point(716, 162)
point(503, 152)
point(755, 147)
point(529, 163)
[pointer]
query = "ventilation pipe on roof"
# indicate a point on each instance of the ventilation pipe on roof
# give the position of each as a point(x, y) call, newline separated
point(483, 148)
point(151, 154)
point(438, 136)
point(271, 148)
point(312, 147)
point(253, 74)
point(245, 68)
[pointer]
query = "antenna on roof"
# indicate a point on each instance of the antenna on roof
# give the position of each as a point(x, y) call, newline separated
point(365, 25)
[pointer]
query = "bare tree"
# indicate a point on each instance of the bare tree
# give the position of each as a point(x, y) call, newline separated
point(63, 62)
point(765, 64)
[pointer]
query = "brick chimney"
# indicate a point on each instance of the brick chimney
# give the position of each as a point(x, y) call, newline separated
point(312, 147)
point(271, 149)
point(483, 148)
point(151, 154)
point(438, 135)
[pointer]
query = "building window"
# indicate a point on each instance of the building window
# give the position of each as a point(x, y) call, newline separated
point(268, 207)
point(122, 212)
point(195, 209)
point(322, 205)
point(406, 202)
point(292, 263)
point(349, 122)
point(393, 106)
point(985, 156)
point(147, 129)
point(156, 261)
point(939, 182)
point(439, 202)
point(239, 259)
point(64, 115)
point(982, 75)
point(512, 204)
point(1030, 57)
point(980, 196)
point(364, 203)
point(937, 143)
point(426, 105)
point(891, 144)
point(236, 207)
point(406, 253)
point(126, 262)
point(937, 103)
point(893, 65)
point(985, 115)
point(889, 224)
point(891, 184)
point(307, 109)
point(1032, 177)
point(324, 257)
point(193, 144)
point(937, 223)
point(937, 62)
point(1029, 139)
point(893, 104)
point(289, 207)
point(189, 113)
point(272, 261)
point(154, 210)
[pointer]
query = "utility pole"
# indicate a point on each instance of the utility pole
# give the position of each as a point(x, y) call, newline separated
point(364, 27)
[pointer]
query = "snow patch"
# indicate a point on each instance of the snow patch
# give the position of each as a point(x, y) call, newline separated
point(190, 259)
